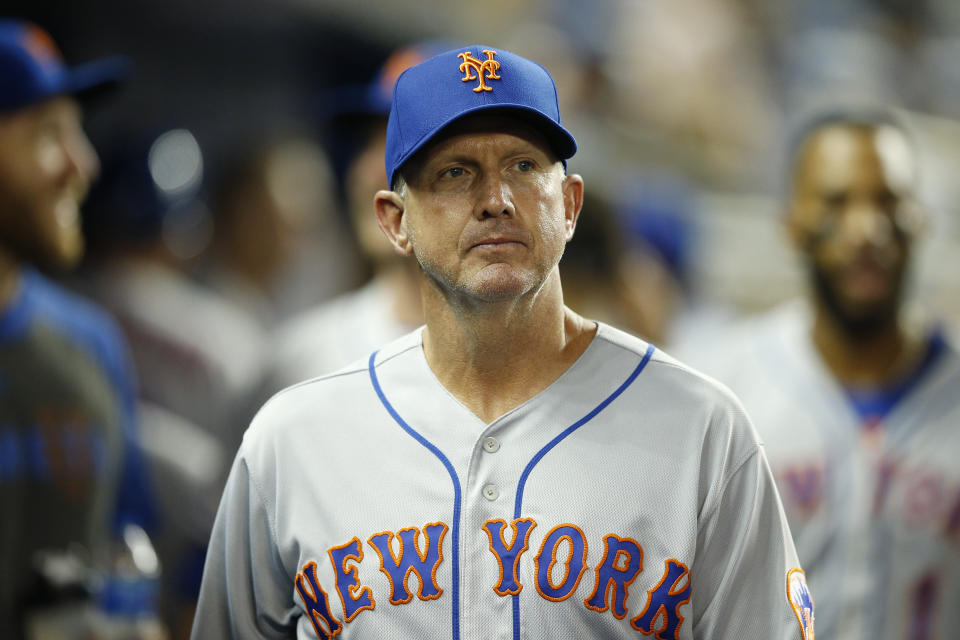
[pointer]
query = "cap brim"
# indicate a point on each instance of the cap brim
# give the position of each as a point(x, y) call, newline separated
point(561, 141)
point(89, 80)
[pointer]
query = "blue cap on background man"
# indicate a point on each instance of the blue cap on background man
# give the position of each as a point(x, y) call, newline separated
point(32, 69)
point(433, 94)
point(373, 98)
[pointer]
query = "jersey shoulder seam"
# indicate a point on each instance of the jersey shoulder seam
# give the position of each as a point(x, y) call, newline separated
point(267, 508)
point(396, 355)
point(327, 376)
point(754, 451)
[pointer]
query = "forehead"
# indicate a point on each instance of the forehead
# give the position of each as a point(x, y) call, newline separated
point(479, 132)
point(53, 108)
point(841, 154)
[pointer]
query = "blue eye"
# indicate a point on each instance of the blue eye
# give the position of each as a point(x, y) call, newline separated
point(525, 165)
point(453, 172)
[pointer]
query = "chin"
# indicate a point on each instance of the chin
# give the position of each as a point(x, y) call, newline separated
point(857, 315)
point(65, 255)
point(501, 286)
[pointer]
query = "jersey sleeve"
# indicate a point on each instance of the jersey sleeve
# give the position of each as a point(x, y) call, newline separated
point(747, 581)
point(245, 592)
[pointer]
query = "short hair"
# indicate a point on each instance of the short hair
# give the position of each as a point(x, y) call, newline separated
point(399, 184)
point(871, 118)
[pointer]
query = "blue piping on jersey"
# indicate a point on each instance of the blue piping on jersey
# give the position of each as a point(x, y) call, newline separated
point(455, 525)
point(518, 505)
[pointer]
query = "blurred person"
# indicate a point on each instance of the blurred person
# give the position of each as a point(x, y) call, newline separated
point(631, 262)
point(72, 477)
point(199, 356)
point(388, 304)
point(857, 403)
point(277, 245)
point(615, 270)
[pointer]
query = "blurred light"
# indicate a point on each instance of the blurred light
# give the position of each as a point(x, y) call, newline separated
point(175, 162)
point(141, 549)
point(897, 155)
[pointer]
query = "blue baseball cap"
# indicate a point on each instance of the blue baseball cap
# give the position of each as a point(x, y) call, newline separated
point(32, 68)
point(374, 97)
point(433, 94)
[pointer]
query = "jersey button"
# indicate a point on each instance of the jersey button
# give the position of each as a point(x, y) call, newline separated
point(490, 492)
point(491, 444)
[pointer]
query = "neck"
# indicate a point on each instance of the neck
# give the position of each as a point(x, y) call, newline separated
point(874, 359)
point(10, 269)
point(494, 357)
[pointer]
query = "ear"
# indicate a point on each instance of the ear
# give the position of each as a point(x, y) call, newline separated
point(390, 216)
point(572, 201)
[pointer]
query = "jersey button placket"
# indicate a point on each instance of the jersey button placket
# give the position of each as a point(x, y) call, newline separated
point(490, 445)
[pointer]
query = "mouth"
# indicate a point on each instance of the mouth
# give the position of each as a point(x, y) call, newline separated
point(868, 279)
point(496, 242)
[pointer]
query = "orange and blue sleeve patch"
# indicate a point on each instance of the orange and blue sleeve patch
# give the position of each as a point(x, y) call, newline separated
point(621, 564)
point(575, 564)
point(664, 602)
point(317, 603)
point(353, 597)
point(411, 560)
point(801, 601)
point(508, 557)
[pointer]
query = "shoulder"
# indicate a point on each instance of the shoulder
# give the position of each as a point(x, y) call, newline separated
point(689, 400)
point(314, 330)
point(693, 415)
point(216, 336)
point(663, 370)
point(55, 304)
point(75, 318)
point(332, 334)
point(309, 408)
point(936, 389)
point(753, 345)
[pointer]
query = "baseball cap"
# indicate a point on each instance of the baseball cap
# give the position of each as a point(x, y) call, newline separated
point(32, 68)
point(433, 94)
point(374, 96)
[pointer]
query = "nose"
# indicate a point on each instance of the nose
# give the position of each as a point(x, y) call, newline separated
point(82, 160)
point(866, 225)
point(495, 197)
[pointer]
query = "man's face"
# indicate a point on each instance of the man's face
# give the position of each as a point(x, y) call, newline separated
point(46, 166)
point(853, 215)
point(488, 209)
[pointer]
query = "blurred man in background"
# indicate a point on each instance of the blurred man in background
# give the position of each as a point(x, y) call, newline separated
point(71, 475)
point(858, 407)
point(335, 333)
point(279, 245)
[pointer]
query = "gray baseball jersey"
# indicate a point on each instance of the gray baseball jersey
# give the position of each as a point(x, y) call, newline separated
point(629, 498)
point(874, 506)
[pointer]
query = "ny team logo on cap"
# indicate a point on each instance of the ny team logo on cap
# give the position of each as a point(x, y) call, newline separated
point(488, 66)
